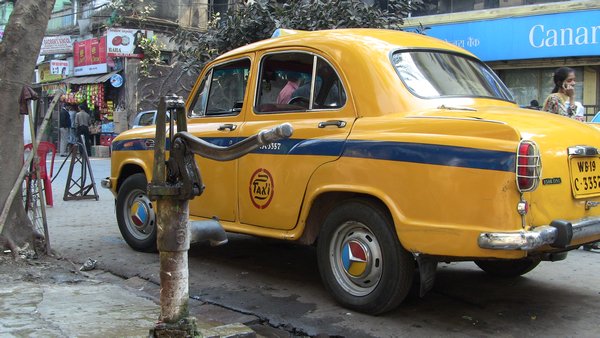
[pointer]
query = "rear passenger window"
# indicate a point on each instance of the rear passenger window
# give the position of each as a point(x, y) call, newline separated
point(298, 82)
point(222, 90)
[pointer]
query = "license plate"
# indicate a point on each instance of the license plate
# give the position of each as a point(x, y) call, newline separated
point(585, 176)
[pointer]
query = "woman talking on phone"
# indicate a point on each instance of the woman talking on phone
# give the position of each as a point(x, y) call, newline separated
point(562, 99)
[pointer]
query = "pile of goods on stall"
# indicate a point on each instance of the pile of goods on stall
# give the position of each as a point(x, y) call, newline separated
point(92, 95)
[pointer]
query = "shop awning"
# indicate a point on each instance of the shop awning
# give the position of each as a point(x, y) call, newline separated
point(90, 79)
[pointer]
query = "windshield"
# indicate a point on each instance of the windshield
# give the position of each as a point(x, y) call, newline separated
point(435, 74)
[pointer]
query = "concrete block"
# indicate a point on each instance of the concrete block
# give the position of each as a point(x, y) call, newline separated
point(100, 151)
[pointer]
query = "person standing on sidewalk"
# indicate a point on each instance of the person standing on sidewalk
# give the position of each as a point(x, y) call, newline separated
point(562, 99)
point(65, 128)
point(82, 122)
point(73, 130)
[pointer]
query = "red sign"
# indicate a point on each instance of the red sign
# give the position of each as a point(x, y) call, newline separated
point(89, 52)
point(89, 57)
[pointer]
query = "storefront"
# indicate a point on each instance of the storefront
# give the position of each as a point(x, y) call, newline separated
point(47, 94)
point(526, 50)
point(49, 76)
point(98, 95)
point(56, 51)
point(95, 86)
point(94, 77)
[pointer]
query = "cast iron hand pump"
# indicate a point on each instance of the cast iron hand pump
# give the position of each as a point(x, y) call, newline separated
point(174, 183)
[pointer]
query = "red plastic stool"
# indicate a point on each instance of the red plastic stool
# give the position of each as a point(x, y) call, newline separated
point(43, 149)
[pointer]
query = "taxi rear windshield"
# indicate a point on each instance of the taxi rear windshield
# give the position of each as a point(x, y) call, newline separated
point(435, 74)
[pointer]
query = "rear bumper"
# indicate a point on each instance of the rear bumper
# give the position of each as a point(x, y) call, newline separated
point(559, 234)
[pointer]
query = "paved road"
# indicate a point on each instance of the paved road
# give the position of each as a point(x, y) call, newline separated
point(279, 282)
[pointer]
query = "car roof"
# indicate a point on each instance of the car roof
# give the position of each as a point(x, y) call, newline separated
point(347, 40)
point(365, 55)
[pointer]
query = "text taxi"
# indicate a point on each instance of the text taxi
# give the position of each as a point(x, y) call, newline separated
point(405, 149)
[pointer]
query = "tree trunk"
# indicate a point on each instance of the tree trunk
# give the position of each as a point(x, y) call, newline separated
point(18, 55)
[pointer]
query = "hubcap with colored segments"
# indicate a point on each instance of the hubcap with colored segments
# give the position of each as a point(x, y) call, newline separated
point(141, 218)
point(356, 258)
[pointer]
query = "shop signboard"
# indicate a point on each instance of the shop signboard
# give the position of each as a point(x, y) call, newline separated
point(59, 67)
point(89, 57)
point(568, 34)
point(45, 73)
point(56, 45)
point(50, 89)
point(124, 42)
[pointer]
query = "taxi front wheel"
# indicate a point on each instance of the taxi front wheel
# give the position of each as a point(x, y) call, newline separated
point(136, 215)
point(361, 261)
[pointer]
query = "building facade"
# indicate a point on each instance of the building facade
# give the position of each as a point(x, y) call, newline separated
point(91, 52)
point(524, 41)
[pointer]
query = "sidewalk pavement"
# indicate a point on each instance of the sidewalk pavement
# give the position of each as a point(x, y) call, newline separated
point(50, 297)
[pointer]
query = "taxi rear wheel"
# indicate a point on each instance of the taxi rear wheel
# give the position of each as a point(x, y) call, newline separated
point(136, 215)
point(508, 268)
point(361, 261)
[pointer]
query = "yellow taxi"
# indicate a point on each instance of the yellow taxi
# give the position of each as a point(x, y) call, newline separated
point(407, 151)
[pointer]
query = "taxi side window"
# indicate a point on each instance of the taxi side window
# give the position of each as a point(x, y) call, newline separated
point(222, 90)
point(291, 82)
point(146, 119)
point(329, 92)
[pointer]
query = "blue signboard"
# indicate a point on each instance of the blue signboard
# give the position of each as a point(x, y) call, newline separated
point(538, 36)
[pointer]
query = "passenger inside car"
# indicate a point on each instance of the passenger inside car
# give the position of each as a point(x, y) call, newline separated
point(281, 75)
point(293, 82)
point(283, 71)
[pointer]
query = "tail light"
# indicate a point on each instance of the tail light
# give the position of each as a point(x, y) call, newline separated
point(529, 166)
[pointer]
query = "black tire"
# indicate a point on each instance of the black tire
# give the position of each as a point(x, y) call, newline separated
point(509, 267)
point(379, 280)
point(136, 215)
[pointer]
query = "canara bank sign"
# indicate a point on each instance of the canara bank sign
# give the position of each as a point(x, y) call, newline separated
point(541, 36)
point(538, 36)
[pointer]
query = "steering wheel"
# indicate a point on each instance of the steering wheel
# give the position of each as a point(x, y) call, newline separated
point(299, 101)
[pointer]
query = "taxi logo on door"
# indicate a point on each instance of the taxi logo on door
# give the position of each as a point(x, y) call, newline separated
point(261, 188)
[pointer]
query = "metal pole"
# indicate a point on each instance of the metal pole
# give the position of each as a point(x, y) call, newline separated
point(173, 243)
point(172, 240)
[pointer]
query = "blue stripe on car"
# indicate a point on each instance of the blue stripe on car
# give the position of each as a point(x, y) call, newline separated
point(135, 144)
point(382, 150)
point(432, 154)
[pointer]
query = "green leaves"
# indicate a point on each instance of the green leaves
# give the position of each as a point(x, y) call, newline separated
point(137, 9)
point(151, 47)
point(258, 20)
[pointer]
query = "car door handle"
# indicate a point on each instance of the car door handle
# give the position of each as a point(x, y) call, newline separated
point(338, 123)
point(227, 126)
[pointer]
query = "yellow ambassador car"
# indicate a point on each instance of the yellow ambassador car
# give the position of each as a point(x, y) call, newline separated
point(407, 151)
